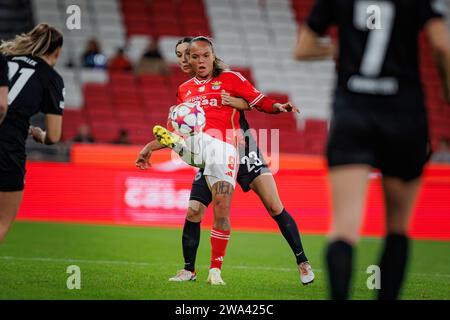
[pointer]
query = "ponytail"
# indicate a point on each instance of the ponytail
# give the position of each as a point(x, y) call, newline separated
point(42, 40)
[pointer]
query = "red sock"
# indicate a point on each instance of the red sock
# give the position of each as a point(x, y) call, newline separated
point(219, 241)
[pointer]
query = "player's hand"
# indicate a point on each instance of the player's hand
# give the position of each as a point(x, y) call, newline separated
point(143, 159)
point(37, 134)
point(286, 107)
point(227, 99)
point(237, 103)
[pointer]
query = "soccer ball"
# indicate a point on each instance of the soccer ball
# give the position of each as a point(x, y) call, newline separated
point(188, 118)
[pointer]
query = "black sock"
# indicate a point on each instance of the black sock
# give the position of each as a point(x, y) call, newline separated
point(191, 240)
point(290, 232)
point(339, 258)
point(393, 265)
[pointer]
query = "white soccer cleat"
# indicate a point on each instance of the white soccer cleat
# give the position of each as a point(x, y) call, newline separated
point(214, 277)
point(184, 275)
point(306, 273)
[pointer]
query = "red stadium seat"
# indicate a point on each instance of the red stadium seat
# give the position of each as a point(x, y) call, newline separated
point(121, 78)
point(153, 80)
point(168, 29)
point(74, 116)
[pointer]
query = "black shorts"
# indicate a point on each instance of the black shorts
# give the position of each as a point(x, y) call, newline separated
point(12, 168)
point(252, 165)
point(388, 133)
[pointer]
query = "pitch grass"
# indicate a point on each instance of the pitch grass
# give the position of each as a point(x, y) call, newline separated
point(135, 263)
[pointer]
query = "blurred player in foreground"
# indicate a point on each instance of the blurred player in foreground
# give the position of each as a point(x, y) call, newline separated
point(253, 174)
point(4, 82)
point(379, 120)
point(34, 86)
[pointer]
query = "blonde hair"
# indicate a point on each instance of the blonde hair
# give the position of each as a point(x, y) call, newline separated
point(43, 39)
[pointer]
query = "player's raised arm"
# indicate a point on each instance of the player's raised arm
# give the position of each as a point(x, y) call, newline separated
point(143, 159)
point(310, 44)
point(311, 47)
point(244, 89)
point(439, 38)
point(285, 107)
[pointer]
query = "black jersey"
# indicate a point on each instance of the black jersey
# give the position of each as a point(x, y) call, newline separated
point(34, 87)
point(248, 150)
point(378, 41)
point(3, 71)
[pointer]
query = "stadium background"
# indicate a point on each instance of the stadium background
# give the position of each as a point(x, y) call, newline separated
point(98, 183)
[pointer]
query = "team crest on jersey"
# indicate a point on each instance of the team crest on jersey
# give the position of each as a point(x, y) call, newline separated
point(216, 85)
point(201, 89)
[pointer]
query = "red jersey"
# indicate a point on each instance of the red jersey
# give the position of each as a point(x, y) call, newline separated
point(219, 118)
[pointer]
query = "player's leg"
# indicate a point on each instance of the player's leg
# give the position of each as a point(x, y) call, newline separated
point(348, 188)
point(190, 241)
point(191, 233)
point(222, 193)
point(9, 206)
point(199, 200)
point(220, 174)
point(265, 187)
point(402, 157)
point(399, 198)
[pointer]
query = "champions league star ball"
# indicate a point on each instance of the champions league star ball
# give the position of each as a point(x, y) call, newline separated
point(187, 118)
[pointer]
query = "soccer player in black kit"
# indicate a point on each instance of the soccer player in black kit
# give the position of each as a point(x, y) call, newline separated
point(34, 86)
point(379, 120)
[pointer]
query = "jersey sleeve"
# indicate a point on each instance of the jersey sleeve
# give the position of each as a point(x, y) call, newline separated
point(3, 72)
point(431, 9)
point(321, 16)
point(53, 100)
point(244, 89)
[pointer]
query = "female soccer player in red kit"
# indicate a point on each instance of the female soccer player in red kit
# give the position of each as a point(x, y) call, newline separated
point(256, 177)
point(218, 152)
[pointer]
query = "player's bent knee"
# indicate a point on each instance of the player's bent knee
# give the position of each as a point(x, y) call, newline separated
point(195, 212)
point(274, 208)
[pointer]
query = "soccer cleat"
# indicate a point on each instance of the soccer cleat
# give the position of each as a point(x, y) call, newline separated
point(214, 277)
point(306, 273)
point(184, 275)
point(167, 138)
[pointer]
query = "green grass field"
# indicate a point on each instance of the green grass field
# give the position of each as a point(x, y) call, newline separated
point(135, 263)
